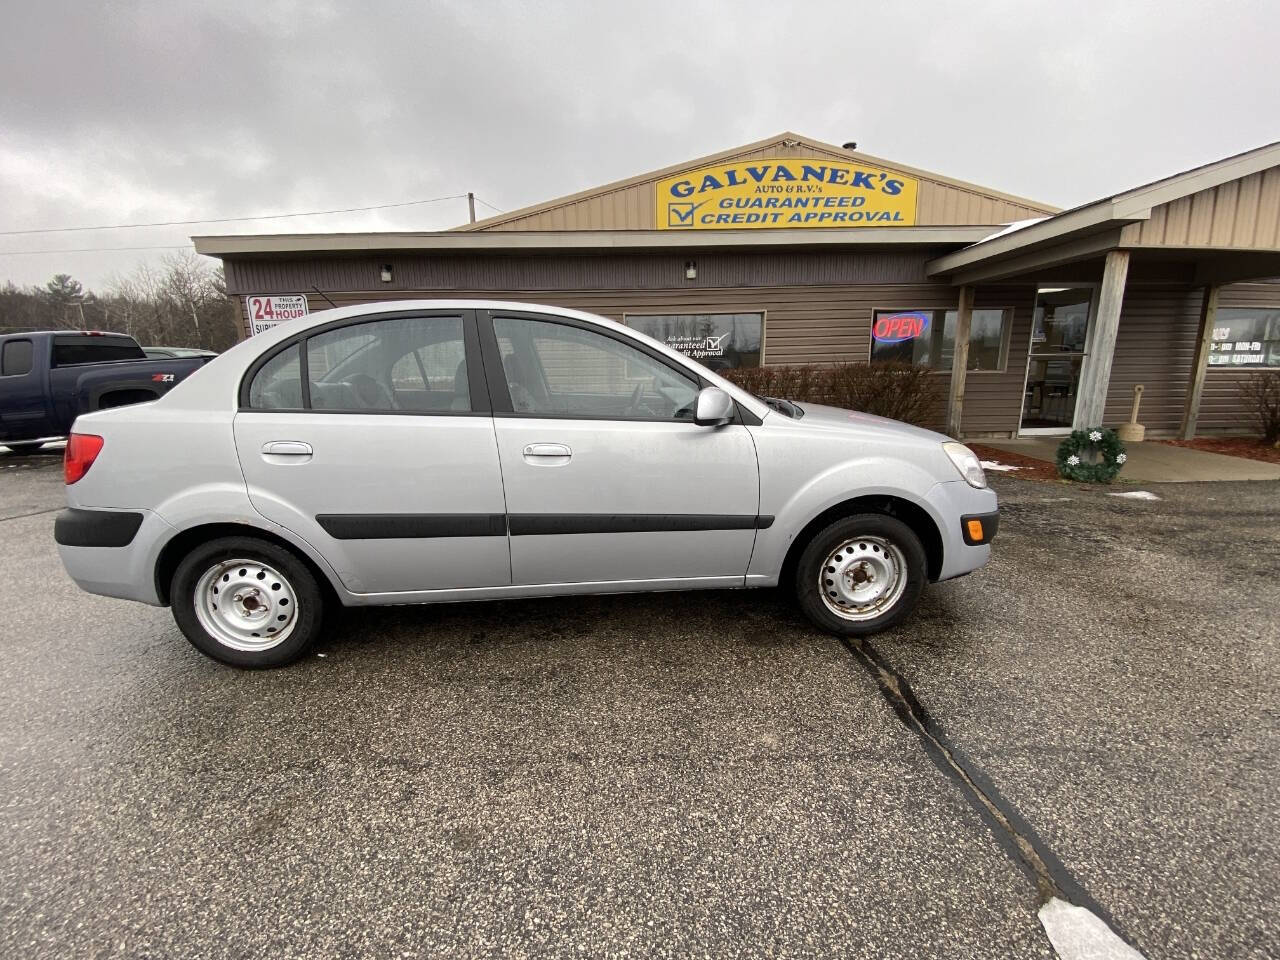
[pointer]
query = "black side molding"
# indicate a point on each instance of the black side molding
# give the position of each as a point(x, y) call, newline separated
point(990, 525)
point(542, 524)
point(96, 528)
point(423, 526)
point(411, 526)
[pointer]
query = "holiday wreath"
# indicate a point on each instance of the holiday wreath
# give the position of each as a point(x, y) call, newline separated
point(1091, 456)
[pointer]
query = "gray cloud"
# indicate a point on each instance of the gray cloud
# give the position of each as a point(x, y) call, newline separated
point(132, 111)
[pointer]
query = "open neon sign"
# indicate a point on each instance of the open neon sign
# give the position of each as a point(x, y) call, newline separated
point(897, 327)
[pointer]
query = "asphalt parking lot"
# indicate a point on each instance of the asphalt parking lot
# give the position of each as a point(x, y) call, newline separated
point(692, 774)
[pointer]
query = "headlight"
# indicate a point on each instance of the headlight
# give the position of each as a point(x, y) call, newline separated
point(966, 462)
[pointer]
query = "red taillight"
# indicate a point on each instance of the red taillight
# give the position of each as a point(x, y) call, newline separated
point(82, 450)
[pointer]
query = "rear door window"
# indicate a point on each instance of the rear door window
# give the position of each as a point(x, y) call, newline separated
point(16, 358)
point(71, 351)
point(411, 364)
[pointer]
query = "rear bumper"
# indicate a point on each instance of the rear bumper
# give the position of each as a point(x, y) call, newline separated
point(112, 552)
point(954, 503)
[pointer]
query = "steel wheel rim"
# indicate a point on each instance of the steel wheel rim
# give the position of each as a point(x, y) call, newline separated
point(246, 605)
point(863, 578)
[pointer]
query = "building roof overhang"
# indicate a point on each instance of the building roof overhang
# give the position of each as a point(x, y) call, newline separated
point(1090, 229)
point(587, 241)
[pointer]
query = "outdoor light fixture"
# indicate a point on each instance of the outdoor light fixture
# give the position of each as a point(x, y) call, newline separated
point(690, 270)
point(386, 273)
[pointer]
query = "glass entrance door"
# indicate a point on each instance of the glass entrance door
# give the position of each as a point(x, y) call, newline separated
point(1059, 334)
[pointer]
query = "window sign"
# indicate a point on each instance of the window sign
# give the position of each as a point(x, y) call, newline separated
point(899, 327)
point(927, 338)
point(265, 312)
point(718, 341)
point(1246, 338)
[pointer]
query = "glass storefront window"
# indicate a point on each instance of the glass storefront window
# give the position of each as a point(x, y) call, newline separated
point(928, 338)
point(1246, 337)
point(718, 341)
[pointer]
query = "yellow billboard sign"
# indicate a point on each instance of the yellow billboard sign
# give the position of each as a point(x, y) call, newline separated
point(763, 194)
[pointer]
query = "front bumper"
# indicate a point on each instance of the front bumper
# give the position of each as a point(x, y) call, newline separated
point(112, 552)
point(954, 503)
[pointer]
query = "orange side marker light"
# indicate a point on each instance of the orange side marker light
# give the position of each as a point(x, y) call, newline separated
point(975, 530)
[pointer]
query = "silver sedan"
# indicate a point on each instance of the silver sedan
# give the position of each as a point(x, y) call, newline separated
point(444, 450)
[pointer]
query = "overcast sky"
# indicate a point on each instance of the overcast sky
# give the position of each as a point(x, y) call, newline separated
point(123, 112)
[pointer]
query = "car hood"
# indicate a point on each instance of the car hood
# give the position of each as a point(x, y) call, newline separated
point(854, 422)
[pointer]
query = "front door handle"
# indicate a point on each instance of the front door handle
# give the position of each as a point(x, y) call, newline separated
point(547, 454)
point(547, 450)
point(287, 448)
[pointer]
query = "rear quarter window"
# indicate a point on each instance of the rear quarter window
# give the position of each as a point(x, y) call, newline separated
point(278, 384)
point(15, 360)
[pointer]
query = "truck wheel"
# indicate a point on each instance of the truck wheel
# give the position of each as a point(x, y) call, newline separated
point(860, 575)
point(247, 602)
point(23, 449)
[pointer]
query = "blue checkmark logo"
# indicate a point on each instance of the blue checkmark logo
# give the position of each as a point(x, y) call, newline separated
point(681, 214)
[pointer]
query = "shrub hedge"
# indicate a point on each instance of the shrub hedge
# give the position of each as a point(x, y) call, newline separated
point(899, 391)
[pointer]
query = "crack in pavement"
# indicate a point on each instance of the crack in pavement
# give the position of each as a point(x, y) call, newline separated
point(1052, 880)
point(34, 513)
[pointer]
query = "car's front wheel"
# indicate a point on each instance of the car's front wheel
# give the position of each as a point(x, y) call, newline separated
point(247, 602)
point(861, 574)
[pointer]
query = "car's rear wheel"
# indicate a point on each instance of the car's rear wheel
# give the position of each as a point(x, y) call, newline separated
point(22, 449)
point(247, 602)
point(861, 574)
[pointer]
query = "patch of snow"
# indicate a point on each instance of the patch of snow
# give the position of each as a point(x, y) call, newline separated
point(1079, 934)
point(1014, 227)
point(997, 466)
point(1135, 495)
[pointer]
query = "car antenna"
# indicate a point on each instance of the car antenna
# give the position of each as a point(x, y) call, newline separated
point(319, 291)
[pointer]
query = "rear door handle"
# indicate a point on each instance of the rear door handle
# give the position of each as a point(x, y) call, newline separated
point(287, 448)
point(547, 454)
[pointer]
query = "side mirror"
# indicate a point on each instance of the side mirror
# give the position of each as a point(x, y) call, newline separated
point(714, 409)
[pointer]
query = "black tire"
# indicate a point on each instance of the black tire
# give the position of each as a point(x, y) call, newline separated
point(308, 607)
point(846, 533)
point(24, 449)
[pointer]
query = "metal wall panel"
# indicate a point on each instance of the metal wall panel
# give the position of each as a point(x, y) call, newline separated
point(631, 206)
point(1240, 214)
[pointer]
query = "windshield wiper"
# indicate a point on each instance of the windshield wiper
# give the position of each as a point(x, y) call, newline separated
point(784, 407)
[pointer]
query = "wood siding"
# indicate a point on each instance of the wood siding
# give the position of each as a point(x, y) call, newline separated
point(631, 205)
point(818, 308)
point(1156, 348)
point(1221, 409)
point(497, 274)
point(1240, 214)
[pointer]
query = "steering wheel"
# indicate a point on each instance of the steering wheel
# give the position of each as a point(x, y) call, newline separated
point(634, 402)
point(637, 406)
point(371, 394)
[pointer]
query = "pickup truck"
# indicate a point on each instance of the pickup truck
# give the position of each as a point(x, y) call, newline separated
point(49, 378)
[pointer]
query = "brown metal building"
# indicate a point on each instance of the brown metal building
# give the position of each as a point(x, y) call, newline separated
point(797, 251)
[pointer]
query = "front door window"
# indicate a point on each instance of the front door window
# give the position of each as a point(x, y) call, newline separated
point(1059, 333)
